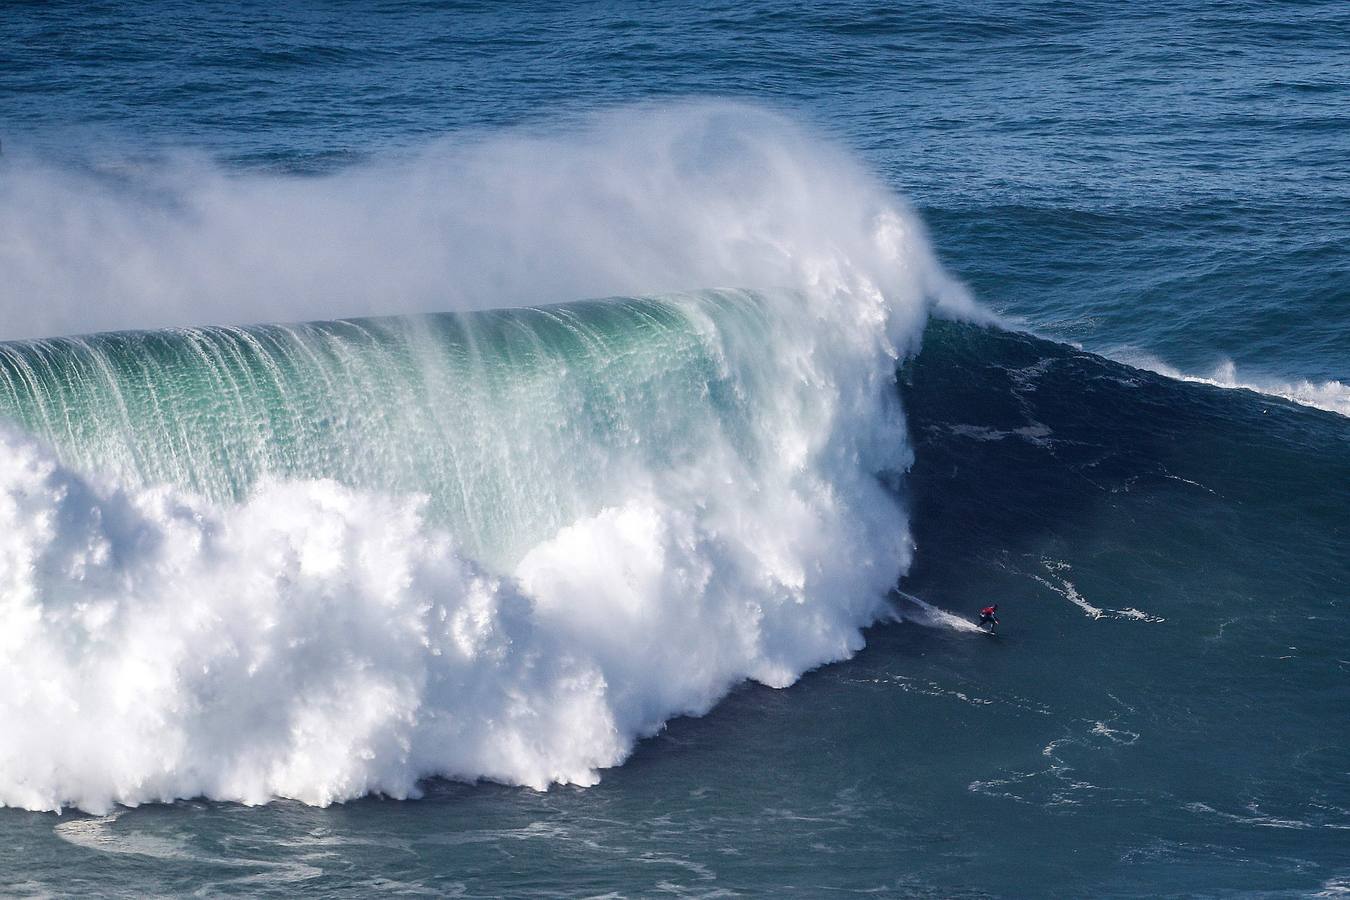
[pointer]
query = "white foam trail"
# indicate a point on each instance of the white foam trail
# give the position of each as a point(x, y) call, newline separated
point(1336, 886)
point(320, 642)
point(97, 834)
point(1332, 396)
point(101, 834)
point(1068, 591)
point(924, 613)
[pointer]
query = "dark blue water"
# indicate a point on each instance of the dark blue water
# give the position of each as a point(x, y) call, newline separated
point(1166, 184)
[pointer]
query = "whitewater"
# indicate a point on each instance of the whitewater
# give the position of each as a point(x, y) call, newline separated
point(491, 537)
point(1332, 395)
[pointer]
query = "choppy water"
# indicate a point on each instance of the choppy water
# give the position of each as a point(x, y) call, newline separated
point(1164, 712)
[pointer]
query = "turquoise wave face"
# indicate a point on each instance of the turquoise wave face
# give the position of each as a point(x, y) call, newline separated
point(511, 422)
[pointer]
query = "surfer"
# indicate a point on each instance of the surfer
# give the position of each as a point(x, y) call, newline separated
point(987, 616)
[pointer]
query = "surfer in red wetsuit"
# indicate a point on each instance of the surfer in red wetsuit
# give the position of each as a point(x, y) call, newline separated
point(987, 616)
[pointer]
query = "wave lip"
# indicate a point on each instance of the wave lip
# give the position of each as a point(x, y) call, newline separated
point(689, 499)
point(1331, 395)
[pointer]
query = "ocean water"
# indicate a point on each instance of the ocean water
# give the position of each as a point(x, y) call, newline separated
point(554, 451)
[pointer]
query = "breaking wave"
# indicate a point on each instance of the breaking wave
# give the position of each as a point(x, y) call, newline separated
point(1331, 395)
point(318, 561)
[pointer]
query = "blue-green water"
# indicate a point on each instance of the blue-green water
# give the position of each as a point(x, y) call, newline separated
point(631, 506)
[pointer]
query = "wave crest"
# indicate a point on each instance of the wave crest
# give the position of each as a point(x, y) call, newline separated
point(1332, 395)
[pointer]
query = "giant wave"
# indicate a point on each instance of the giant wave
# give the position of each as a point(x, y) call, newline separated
point(318, 561)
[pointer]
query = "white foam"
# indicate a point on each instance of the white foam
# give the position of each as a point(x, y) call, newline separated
point(320, 643)
point(922, 612)
point(1331, 395)
point(1337, 886)
point(102, 834)
point(1069, 591)
point(1036, 433)
point(97, 833)
point(1115, 735)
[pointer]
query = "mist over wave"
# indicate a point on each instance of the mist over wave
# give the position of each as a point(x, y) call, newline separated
point(321, 561)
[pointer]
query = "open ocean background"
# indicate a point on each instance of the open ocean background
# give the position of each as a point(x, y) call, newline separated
point(1145, 460)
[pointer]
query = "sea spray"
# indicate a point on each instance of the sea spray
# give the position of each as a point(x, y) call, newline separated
point(326, 560)
point(633, 201)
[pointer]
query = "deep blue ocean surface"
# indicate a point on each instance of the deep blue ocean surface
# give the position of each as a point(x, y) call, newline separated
point(1043, 304)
